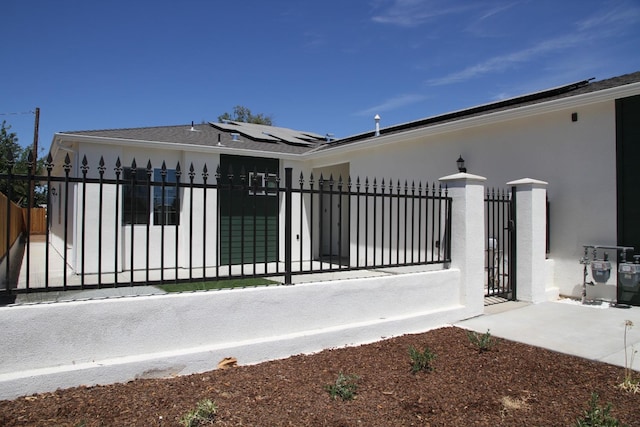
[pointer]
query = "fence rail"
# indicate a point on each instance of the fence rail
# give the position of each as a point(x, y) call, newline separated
point(126, 226)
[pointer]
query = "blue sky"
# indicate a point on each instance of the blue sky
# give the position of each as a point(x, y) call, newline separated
point(322, 66)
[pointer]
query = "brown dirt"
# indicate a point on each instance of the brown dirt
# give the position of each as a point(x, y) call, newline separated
point(511, 385)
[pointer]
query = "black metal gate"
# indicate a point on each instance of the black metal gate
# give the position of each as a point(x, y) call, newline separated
point(500, 253)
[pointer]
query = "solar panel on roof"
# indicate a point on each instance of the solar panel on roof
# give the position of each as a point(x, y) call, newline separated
point(270, 133)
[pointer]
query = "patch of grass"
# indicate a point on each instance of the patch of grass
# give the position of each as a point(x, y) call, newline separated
point(421, 361)
point(345, 387)
point(204, 414)
point(597, 416)
point(483, 342)
point(219, 284)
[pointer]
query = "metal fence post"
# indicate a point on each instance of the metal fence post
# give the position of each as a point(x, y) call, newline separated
point(288, 183)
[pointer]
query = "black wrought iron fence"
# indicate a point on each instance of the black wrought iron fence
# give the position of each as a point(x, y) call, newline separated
point(128, 225)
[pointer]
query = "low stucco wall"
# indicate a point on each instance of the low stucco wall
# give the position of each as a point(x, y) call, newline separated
point(59, 345)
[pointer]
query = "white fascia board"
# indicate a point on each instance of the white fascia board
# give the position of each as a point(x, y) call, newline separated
point(575, 101)
point(174, 146)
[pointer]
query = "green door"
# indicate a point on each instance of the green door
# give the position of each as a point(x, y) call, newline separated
point(628, 182)
point(248, 209)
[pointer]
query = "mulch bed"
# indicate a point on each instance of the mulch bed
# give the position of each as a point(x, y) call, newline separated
point(511, 385)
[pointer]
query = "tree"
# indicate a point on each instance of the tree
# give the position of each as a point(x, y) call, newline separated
point(15, 160)
point(243, 114)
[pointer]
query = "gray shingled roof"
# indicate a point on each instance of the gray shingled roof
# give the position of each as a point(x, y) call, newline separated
point(251, 136)
point(574, 89)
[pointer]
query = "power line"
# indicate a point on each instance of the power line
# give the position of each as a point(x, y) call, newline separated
point(18, 114)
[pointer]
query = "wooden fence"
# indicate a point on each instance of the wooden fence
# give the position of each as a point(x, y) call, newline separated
point(15, 227)
point(38, 220)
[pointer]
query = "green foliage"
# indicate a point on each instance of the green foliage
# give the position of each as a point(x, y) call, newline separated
point(204, 414)
point(597, 416)
point(243, 114)
point(421, 361)
point(483, 342)
point(345, 387)
point(15, 160)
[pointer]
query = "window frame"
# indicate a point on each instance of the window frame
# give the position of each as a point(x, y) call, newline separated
point(169, 209)
point(267, 184)
point(143, 200)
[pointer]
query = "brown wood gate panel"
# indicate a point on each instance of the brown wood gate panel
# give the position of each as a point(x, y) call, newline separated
point(38, 220)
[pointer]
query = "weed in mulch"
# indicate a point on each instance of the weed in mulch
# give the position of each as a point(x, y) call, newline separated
point(345, 387)
point(483, 342)
point(630, 383)
point(597, 416)
point(421, 361)
point(204, 414)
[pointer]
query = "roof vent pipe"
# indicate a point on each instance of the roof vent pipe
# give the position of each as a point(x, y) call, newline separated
point(377, 119)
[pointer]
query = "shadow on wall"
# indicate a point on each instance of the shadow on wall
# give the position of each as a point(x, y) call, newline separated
point(15, 256)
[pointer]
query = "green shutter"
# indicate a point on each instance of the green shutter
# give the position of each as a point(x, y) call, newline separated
point(628, 181)
point(242, 212)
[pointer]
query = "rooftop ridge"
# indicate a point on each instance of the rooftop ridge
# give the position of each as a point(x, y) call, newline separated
point(187, 125)
point(582, 86)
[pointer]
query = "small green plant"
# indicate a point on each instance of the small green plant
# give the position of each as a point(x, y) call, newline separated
point(483, 342)
point(629, 383)
point(204, 414)
point(597, 416)
point(421, 361)
point(345, 387)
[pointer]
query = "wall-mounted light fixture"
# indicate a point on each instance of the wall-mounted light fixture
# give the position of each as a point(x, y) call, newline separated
point(461, 166)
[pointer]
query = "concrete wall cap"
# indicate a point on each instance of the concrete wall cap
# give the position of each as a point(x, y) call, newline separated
point(460, 176)
point(527, 181)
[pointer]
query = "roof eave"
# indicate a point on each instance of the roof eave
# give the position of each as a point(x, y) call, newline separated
point(604, 95)
point(60, 137)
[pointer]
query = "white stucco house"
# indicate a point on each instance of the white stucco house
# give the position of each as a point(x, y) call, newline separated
point(583, 139)
point(577, 144)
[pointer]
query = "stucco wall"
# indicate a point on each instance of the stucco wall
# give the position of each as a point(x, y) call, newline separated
point(577, 159)
point(47, 346)
point(186, 230)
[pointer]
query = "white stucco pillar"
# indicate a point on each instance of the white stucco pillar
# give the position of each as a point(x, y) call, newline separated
point(467, 236)
point(531, 236)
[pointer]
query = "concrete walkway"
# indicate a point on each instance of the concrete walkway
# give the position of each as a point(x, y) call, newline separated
point(594, 332)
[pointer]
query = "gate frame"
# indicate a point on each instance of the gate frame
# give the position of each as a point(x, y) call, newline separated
point(506, 230)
